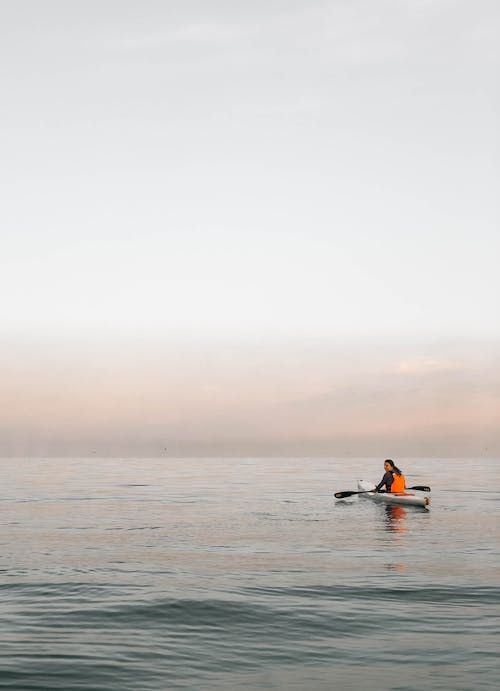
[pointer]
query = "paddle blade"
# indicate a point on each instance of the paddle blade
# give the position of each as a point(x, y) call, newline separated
point(342, 495)
point(421, 488)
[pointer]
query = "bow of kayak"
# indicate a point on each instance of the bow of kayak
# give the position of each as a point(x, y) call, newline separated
point(399, 498)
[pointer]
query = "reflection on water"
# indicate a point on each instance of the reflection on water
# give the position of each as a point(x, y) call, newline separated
point(398, 568)
point(395, 523)
point(396, 519)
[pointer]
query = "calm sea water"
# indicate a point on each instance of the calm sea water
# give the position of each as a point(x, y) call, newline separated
point(246, 574)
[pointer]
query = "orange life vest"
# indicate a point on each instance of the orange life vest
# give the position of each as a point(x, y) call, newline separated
point(398, 483)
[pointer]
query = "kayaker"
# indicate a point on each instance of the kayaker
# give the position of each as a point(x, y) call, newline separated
point(393, 480)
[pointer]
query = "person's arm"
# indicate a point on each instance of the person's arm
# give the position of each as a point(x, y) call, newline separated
point(386, 480)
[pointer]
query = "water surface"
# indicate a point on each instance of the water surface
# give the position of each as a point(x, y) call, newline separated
point(246, 574)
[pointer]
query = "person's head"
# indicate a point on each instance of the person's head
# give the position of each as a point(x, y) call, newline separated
point(390, 466)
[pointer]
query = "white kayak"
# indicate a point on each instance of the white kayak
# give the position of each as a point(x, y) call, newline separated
point(399, 498)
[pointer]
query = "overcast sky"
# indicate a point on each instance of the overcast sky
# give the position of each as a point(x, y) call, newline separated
point(224, 172)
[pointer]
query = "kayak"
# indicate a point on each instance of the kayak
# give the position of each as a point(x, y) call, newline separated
point(400, 498)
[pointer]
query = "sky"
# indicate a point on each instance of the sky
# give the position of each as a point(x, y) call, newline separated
point(246, 228)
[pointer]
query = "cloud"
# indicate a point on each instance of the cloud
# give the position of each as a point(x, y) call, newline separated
point(424, 364)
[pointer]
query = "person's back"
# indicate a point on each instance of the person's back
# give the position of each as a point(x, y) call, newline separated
point(398, 482)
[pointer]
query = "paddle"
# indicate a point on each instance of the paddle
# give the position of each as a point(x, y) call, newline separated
point(342, 495)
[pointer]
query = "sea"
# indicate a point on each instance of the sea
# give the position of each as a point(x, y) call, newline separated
point(245, 573)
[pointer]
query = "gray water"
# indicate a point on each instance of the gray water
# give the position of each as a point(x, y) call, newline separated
point(246, 574)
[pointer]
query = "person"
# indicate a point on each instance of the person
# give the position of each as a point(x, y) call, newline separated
point(393, 480)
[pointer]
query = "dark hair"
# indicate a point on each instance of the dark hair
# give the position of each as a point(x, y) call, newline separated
point(394, 468)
